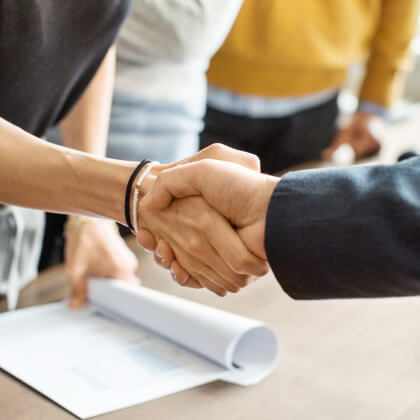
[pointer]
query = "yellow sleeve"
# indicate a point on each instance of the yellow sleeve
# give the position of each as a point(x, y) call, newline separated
point(390, 59)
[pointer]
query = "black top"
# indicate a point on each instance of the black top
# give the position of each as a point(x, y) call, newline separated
point(347, 232)
point(49, 52)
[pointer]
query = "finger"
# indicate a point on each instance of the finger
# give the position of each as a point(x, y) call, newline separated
point(134, 280)
point(197, 270)
point(205, 282)
point(160, 261)
point(165, 253)
point(193, 284)
point(231, 250)
point(342, 137)
point(179, 182)
point(182, 277)
point(219, 273)
point(366, 146)
point(78, 295)
point(221, 152)
point(146, 239)
point(218, 151)
point(126, 275)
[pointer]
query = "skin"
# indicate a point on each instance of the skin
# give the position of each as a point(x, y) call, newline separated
point(89, 252)
point(96, 250)
point(240, 195)
point(363, 131)
point(57, 179)
point(201, 238)
point(96, 186)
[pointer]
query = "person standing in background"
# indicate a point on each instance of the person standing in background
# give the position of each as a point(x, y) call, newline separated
point(163, 52)
point(273, 85)
point(58, 64)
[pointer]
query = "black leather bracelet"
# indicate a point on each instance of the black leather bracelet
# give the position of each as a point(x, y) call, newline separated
point(128, 192)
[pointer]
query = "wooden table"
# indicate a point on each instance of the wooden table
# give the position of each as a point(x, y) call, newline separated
point(340, 360)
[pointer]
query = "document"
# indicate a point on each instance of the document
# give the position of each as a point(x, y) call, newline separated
point(130, 345)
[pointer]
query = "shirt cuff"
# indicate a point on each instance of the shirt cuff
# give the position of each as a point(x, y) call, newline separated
point(374, 108)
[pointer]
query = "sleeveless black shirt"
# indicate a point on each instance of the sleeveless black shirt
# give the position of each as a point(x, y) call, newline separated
point(49, 52)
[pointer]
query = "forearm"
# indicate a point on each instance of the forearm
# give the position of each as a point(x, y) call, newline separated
point(86, 127)
point(34, 173)
point(346, 233)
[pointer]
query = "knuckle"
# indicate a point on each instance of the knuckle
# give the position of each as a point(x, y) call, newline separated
point(205, 221)
point(218, 150)
point(243, 281)
point(265, 269)
point(193, 246)
point(206, 163)
point(239, 263)
point(165, 264)
point(235, 288)
point(235, 279)
point(162, 178)
point(253, 162)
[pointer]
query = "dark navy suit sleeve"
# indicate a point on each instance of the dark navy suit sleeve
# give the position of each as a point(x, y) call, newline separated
point(347, 232)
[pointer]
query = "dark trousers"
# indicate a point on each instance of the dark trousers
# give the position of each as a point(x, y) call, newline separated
point(279, 142)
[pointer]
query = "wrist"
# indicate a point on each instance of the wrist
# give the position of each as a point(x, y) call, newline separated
point(373, 108)
point(270, 183)
point(149, 179)
point(140, 186)
point(77, 224)
point(94, 186)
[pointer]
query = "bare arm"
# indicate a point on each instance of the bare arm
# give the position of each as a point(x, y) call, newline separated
point(85, 128)
point(34, 173)
point(37, 174)
point(93, 247)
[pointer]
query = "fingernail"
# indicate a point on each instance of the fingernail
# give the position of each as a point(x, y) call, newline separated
point(158, 253)
point(173, 273)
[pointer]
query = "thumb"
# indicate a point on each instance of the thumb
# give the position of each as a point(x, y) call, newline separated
point(179, 182)
point(342, 137)
point(156, 199)
point(78, 290)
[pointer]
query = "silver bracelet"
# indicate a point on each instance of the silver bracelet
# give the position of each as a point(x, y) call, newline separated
point(136, 192)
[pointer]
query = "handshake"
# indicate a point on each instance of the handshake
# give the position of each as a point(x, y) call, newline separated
point(204, 218)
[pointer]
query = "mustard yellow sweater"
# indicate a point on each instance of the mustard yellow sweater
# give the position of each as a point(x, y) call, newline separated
point(295, 47)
